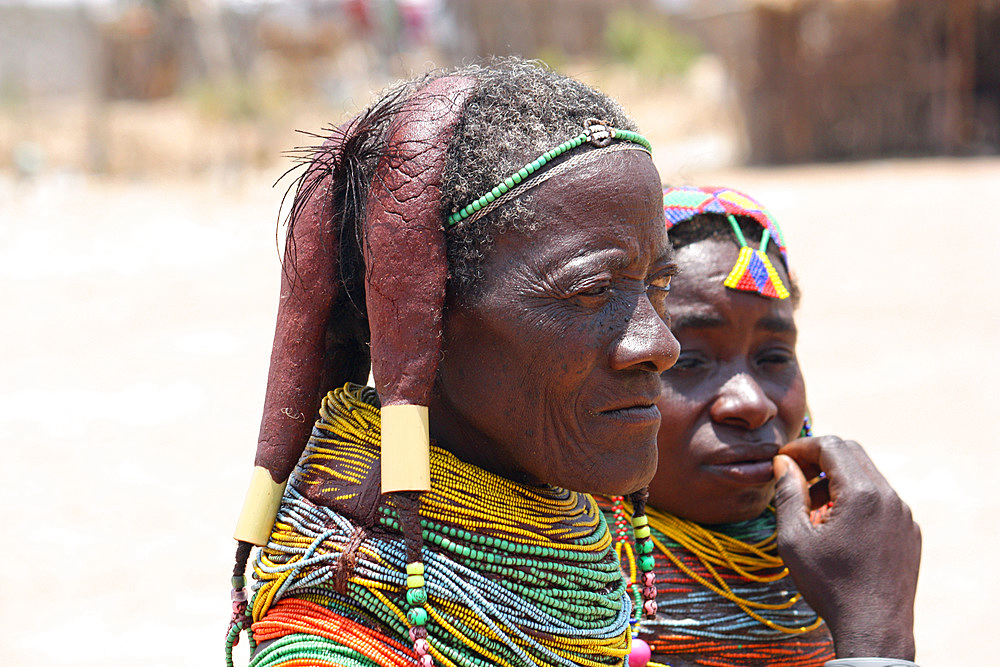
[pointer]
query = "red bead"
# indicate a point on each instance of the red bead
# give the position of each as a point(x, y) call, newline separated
point(649, 606)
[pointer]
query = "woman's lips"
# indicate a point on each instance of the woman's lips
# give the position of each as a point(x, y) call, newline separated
point(745, 472)
point(634, 414)
point(746, 465)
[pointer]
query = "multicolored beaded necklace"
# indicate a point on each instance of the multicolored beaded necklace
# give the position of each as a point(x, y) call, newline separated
point(510, 574)
point(725, 597)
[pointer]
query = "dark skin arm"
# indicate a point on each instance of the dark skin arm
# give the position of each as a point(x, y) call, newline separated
point(857, 567)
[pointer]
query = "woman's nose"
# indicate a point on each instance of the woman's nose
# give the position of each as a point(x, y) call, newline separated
point(742, 402)
point(646, 343)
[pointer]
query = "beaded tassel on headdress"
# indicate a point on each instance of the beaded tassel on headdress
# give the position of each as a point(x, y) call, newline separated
point(753, 271)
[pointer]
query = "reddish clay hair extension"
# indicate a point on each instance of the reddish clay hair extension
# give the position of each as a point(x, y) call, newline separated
point(309, 287)
point(314, 351)
point(404, 244)
point(406, 272)
point(406, 263)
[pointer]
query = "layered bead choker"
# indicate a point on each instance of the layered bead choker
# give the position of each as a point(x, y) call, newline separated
point(509, 574)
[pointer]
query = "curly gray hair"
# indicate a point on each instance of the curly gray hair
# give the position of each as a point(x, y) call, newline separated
point(517, 110)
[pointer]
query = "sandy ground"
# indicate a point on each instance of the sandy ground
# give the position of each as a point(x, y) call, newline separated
point(136, 329)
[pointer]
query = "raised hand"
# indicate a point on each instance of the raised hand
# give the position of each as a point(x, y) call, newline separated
point(856, 561)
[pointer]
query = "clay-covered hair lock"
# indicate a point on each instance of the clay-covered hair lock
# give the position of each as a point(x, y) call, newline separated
point(404, 298)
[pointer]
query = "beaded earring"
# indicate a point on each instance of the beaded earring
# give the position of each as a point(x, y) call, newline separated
point(807, 429)
point(644, 596)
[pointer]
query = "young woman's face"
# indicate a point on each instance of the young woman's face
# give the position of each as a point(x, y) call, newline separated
point(733, 398)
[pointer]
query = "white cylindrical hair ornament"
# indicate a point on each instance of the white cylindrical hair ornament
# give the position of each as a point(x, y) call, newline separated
point(259, 508)
point(406, 461)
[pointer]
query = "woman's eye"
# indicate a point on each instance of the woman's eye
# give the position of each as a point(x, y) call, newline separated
point(776, 358)
point(688, 362)
point(661, 284)
point(595, 291)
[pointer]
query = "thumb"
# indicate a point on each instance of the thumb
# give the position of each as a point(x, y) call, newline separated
point(791, 493)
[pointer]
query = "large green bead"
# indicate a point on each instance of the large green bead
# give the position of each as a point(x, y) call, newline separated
point(416, 597)
point(417, 616)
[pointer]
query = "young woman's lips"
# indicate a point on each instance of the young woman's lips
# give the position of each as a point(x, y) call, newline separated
point(745, 472)
point(752, 466)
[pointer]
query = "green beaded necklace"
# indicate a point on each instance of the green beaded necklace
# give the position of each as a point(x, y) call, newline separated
point(595, 132)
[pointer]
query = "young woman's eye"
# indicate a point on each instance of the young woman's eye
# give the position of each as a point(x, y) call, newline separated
point(776, 358)
point(688, 362)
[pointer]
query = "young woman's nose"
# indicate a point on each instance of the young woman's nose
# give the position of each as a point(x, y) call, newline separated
point(742, 402)
point(646, 342)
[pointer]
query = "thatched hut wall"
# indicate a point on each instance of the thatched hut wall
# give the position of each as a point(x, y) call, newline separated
point(844, 79)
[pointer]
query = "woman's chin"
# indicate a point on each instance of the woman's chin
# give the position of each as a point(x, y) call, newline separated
point(740, 509)
point(620, 481)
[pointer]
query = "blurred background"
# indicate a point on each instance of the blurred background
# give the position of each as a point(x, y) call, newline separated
point(139, 143)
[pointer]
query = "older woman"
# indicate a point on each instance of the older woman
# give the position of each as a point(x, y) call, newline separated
point(528, 333)
point(494, 239)
point(732, 401)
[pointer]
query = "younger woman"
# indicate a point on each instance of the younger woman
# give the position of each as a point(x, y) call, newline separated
point(732, 402)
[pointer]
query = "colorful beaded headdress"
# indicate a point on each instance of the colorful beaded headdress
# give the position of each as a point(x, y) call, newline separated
point(753, 271)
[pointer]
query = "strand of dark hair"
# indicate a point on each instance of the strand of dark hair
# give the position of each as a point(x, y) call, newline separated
point(638, 500)
point(408, 508)
point(242, 557)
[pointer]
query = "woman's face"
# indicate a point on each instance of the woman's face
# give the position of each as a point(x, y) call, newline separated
point(551, 371)
point(734, 397)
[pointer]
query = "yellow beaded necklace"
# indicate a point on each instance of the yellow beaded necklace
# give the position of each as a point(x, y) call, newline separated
point(514, 570)
point(753, 561)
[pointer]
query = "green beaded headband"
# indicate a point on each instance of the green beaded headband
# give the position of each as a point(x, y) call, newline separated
point(596, 132)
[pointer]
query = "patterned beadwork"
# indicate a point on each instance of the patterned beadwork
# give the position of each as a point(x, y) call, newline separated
point(513, 574)
point(725, 597)
point(753, 271)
